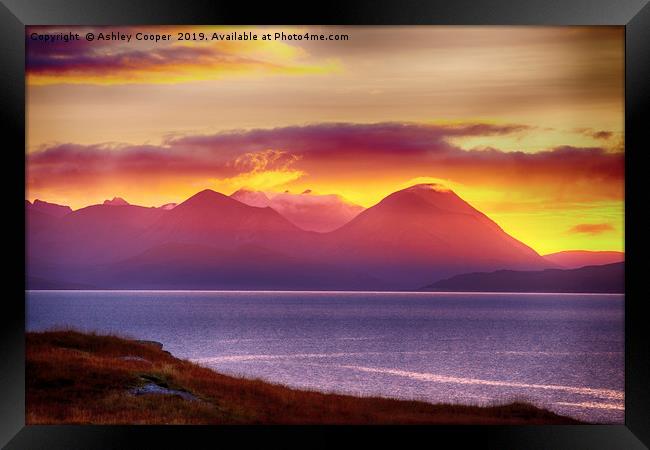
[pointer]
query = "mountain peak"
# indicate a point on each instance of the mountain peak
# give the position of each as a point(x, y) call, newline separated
point(428, 186)
point(430, 197)
point(207, 194)
point(424, 187)
point(117, 201)
point(207, 198)
point(214, 219)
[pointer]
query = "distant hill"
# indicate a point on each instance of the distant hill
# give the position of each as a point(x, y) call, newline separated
point(42, 215)
point(249, 267)
point(41, 284)
point(608, 278)
point(51, 209)
point(573, 259)
point(87, 236)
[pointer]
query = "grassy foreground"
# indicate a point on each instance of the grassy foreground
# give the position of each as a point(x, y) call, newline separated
point(78, 378)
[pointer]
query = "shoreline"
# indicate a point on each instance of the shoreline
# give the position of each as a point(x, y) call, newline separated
point(87, 378)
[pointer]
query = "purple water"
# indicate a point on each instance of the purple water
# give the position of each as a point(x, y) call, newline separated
point(564, 352)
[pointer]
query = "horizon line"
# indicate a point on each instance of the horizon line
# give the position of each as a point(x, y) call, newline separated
point(326, 292)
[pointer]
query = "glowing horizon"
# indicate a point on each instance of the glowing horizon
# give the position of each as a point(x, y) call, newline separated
point(524, 123)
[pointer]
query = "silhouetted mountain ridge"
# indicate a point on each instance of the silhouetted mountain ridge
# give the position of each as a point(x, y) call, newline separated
point(607, 278)
point(410, 238)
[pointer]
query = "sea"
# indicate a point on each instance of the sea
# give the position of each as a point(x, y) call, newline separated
point(563, 352)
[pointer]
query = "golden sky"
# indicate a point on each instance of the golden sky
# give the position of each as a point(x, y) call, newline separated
point(525, 123)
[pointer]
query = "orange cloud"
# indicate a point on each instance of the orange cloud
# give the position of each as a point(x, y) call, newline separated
point(336, 155)
point(591, 228)
point(265, 160)
point(596, 134)
point(263, 170)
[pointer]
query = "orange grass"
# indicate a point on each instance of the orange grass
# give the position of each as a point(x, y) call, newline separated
point(78, 378)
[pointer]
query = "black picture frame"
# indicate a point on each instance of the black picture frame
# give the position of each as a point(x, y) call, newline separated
point(633, 14)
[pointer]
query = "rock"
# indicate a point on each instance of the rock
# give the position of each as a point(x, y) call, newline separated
point(135, 358)
point(156, 344)
point(154, 389)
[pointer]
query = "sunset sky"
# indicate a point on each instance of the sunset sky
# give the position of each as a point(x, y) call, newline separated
point(524, 123)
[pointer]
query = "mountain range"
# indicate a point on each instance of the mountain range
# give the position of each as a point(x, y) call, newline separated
point(411, 238)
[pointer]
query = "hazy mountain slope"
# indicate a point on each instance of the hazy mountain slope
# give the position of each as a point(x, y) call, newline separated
point(311, 212)
point(190, 266)
point(573, 259)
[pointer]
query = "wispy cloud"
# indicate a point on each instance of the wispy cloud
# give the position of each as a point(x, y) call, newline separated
point(591, 228)
point(167, 62)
